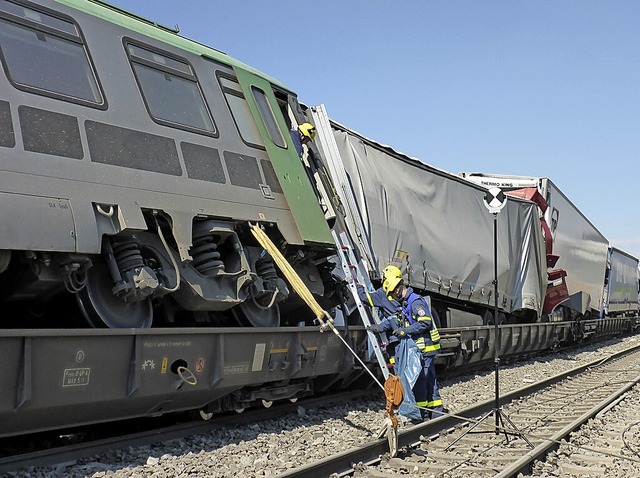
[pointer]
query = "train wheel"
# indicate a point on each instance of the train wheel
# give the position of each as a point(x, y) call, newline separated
point(205, 415)
point(248, 313)
point(101, 308)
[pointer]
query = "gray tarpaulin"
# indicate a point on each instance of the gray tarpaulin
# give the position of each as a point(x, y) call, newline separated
point(581, 248)
point(435, 226)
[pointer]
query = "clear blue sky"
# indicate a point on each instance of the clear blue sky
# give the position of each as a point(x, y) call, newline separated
point(542, 88)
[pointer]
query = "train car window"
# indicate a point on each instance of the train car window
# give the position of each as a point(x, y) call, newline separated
point(245, 123)
point(170, 90)
point(46, 55)
point(267, 116)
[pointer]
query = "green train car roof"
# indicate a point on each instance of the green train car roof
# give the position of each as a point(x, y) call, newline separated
point(137, 23)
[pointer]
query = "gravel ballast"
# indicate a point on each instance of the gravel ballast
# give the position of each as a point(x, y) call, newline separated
point(269, 448)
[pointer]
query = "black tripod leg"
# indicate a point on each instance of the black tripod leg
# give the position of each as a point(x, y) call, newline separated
point(483, 418)
point(504, 429)
point(514, 427)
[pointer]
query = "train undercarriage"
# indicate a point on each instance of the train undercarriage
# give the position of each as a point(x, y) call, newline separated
point(138, 281)
point(62, 378)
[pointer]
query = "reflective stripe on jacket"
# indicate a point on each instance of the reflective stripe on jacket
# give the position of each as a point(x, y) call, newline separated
point(417, 319)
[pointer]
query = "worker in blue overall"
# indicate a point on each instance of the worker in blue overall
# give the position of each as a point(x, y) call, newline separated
point(378, 298)
point(417, 323)
point(389, 310)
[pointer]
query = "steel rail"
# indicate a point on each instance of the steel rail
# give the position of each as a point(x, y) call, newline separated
point(343, 463)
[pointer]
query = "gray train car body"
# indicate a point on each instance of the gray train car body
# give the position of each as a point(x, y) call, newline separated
point(621, 284)
point(436, 228)
point(133, 161)
point(91, 376)
point(581, 248)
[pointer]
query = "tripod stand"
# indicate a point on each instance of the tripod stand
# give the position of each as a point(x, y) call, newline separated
point(497, 411)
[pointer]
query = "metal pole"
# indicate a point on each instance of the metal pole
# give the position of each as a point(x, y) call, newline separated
point(496, 358)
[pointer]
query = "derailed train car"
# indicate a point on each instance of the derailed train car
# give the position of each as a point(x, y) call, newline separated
point(435, 227)
point(133, 162)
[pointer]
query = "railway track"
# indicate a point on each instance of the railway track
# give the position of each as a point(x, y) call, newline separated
point(87, 441)
point(544, 413)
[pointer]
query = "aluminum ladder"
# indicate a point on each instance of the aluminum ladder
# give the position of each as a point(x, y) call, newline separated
point(353, 275)
point(355, 224)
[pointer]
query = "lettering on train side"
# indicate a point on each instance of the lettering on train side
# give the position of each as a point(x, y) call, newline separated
point(167, 343)
point(236, 369)
point(76, 377)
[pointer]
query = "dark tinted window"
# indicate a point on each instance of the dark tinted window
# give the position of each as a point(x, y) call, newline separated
point(45, 54)
point(243, 170)
point(267, 116)
point(170, 90)
point(203, 163)
point(49, 132)
point(240, 111)
point(132, 149)
point(270, 176)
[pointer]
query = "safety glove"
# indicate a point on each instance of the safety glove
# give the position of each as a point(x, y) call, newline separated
point(400, 333)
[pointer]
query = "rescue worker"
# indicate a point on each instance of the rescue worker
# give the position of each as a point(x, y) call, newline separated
point(417, 323)
point(389, 310)
point(303, 134)
point(378, 298)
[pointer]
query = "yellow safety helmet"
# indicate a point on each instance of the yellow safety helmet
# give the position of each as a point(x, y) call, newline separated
point(391, 271)
point(390, 284)
point(308, 130)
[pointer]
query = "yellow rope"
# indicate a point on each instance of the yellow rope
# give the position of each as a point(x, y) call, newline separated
point(323, 317)
point(290, 273)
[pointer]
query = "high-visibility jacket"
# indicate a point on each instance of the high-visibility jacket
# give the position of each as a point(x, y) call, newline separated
point(417, 321)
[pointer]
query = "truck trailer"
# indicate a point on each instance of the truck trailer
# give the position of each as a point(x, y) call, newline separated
point(434, 226)
point(579, 250)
